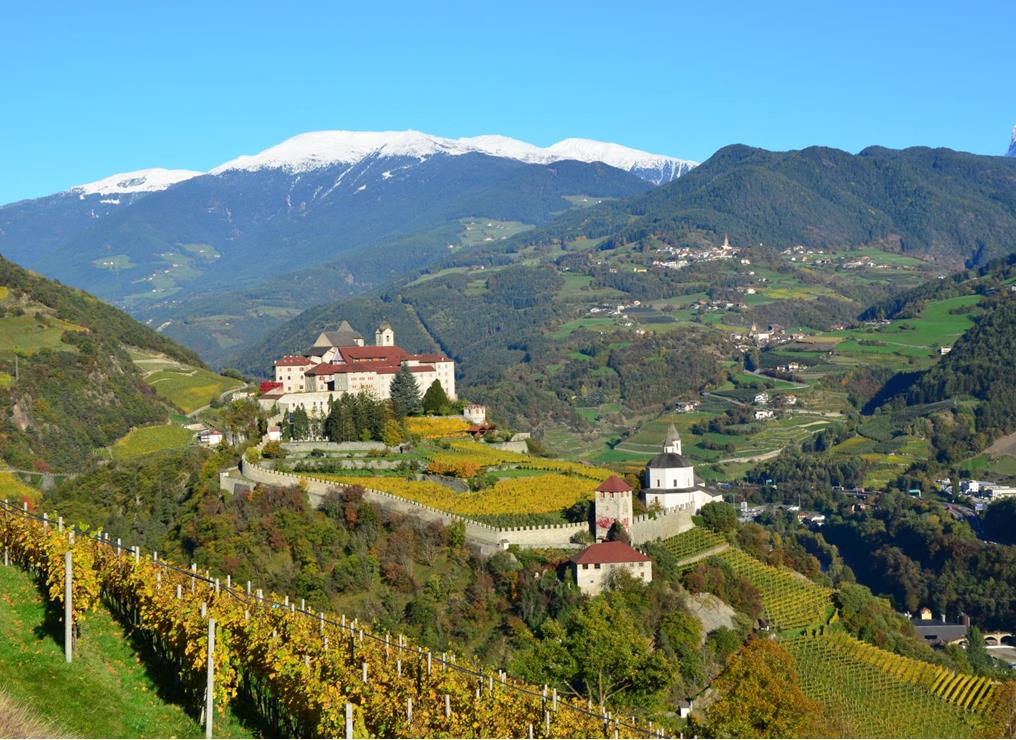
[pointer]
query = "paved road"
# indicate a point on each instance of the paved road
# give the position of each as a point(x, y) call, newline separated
point(757, 374)
point(965, 512)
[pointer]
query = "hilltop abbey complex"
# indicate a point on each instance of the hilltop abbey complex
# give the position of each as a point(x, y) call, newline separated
point(340, 362)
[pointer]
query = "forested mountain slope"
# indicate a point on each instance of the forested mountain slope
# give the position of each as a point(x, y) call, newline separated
point(67, 383)
point(936, 202)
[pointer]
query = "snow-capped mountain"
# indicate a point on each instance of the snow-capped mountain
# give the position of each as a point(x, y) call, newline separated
point(1012, 144)
point(140, 181)
point(318, 149)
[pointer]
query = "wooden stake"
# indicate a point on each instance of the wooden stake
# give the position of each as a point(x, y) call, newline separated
point(68, 609)
point(209, 698)
point(349, 721)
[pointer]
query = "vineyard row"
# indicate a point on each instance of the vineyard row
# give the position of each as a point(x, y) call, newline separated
point(299, 668)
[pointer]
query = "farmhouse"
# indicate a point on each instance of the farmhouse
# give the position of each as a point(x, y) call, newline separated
point(210, 437)
point(340, 362)
point(670, 479)
point(595, 564)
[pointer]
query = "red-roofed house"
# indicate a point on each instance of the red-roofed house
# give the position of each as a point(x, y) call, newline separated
point(289, 372)
point(595, 564)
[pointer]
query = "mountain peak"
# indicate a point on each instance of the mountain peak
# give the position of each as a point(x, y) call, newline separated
point(317, 149)
point(138, 181)
point(1012, 144)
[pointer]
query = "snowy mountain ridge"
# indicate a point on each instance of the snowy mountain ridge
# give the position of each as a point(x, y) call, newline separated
point(1012, 144)
point(139, 181)
point(310, 151)
point(318, 149)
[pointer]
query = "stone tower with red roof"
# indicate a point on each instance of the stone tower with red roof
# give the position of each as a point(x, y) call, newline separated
point(612, 504)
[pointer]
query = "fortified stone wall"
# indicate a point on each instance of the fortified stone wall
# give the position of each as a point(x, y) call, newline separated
point(489, 539)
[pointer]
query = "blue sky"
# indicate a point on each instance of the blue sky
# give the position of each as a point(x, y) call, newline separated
point(90, 89)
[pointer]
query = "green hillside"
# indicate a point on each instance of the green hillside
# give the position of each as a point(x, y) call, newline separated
point(70, 381)
point(106, 692)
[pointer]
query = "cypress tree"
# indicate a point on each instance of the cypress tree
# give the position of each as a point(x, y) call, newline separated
point(435, 399)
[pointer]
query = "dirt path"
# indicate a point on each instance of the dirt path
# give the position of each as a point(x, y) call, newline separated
point(753, 458)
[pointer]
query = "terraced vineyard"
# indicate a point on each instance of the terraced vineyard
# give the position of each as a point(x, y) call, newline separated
point(874, 693)
point(789, 600)
point(692, 543)
point(966, 692)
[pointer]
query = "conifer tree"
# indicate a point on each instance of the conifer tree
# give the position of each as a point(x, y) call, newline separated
point(405, 394)
point(435, 400)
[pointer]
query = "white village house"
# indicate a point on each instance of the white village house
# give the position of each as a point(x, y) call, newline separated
point(341, 363)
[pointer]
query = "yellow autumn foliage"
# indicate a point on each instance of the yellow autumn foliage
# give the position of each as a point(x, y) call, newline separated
point(436, 427)
point(536, 494)
point(464, 459)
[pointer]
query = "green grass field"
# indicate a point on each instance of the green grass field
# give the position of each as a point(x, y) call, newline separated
point(188, 387)
point(106, 692)
point(28, 335)
point(146, 440)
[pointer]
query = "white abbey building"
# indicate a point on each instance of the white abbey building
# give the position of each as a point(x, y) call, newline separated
point(340, 362)
point(670, 479)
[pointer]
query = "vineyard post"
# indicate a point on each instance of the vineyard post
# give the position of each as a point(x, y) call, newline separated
point(45, 522)
point(248, 589)
point(24, 505)
point(447, 707)
point(68, 609)
point(179, 590)
point(530, 731)
point(59, 524)
point(209, 699)
point(409, 710)
point(349, 721)
point(117, 541)
point(365, 673)
point(546, 722)
point(553, 703)
point(321, 621)
point(7, 556)
point(229, 582)
point(194, 569)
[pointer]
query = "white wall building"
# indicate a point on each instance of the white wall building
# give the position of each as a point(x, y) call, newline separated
point(670, 479)
point(340, 362)
point(594, 565)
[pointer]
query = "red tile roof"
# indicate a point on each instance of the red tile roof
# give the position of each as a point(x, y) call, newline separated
point(269, 385)
point(325, 368)
point(611, 552)
point(613, 484)
point(292, 360)
point(390, 355)
point(430, 358)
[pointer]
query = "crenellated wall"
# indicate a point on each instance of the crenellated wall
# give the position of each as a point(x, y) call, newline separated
point(644, 528)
